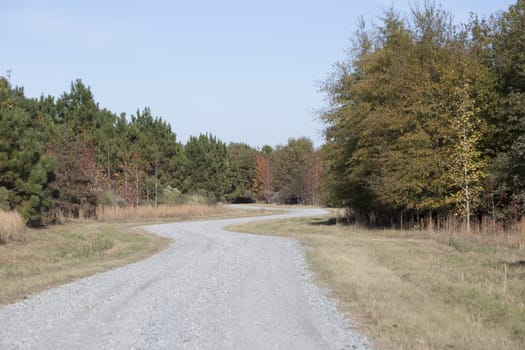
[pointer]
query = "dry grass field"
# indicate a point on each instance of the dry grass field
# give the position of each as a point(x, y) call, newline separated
point(11, 226)
point(417, 290)
point(32, 260)
point(177, 212)
point(43, 258)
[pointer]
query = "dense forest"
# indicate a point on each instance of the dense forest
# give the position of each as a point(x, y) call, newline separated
point(427, 119)
point(63, 157)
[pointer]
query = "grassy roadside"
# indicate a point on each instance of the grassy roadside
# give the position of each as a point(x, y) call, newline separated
point(37, 259)
point(40, 259)
point(411, 290)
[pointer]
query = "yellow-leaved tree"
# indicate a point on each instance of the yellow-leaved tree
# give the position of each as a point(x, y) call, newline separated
point(467, 168)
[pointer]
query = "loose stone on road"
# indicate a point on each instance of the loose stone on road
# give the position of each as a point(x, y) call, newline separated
point(211, 289)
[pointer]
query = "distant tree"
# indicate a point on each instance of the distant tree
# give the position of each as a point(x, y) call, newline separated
point(206, 167)
point(241, 162)
point(312, 180)
point(262, 180)
point(106, 141)
point(267, 150)
point(290, 170)
point(78, 109)
point(75, 174)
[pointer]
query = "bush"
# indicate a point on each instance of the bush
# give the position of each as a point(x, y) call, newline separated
point(111, 199)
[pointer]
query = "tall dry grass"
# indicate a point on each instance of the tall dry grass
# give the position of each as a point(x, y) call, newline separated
point(11, 225)
point(501, 231)
point(509, 233)
point(161, 212)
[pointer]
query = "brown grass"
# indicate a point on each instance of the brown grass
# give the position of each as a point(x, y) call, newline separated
point(42, 258)
point(178, 212)
point(48, 257)
point(416, 290)
point(11, 225)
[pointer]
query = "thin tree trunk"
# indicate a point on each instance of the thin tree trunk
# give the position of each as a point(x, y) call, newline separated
point(147, 188)
point(137, 186)
point(126, 186)
point(493, 212)
point(156, 186)
point(109, 173)
point(467, 198)
point(466, 178)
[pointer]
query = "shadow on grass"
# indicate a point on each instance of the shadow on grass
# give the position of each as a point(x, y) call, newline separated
point(325, 222)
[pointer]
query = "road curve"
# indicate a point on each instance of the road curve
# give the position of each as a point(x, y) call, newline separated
point(211, 289)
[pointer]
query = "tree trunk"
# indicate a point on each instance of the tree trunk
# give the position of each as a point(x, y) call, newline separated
point(137, 186)
point(109, 173)
point(493, 212)
point(147, 188)
point(156, 186)
point(467, 198)
point(126, 186)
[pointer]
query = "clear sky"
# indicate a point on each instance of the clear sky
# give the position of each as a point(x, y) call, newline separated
point(245, 71)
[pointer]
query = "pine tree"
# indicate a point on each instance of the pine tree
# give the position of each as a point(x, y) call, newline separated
point(26, 173)
point(206, 166)
point(240, 174)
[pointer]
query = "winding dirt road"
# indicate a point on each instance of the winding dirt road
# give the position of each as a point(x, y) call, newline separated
point(211, 289)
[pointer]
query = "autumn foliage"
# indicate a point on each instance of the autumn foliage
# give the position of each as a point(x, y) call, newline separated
point(427, 120)
point(67, 157)
point(262, 181)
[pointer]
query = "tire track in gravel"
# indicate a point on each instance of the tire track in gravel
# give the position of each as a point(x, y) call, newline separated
point(211, 289)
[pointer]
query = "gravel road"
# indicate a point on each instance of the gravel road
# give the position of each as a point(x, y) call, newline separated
point(211, 289)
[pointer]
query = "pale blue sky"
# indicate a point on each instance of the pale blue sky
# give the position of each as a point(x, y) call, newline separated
point(245, 71)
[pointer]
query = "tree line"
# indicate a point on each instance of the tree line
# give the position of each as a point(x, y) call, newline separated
point(65, 156)
point(427, 118)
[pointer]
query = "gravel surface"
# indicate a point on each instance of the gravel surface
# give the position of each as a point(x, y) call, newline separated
point(211, 289)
